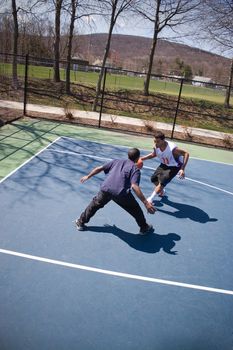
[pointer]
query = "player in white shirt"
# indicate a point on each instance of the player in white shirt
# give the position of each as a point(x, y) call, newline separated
point(173, 161)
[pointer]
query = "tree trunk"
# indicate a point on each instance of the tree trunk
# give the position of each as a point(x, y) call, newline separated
point(106, 52)
point(15, 45)
point(69, 51)
point(56, 76)
point(152, 50)
point(151, 59)
point(228, 91)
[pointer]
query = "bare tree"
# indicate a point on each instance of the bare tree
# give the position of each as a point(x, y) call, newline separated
point(217, 27)
point(6, 29)
point(163, 14)
point(57, 37)
point(20, 21)
point(74, 4)
point(84, 9)
point(15, 43)
point(111, 9)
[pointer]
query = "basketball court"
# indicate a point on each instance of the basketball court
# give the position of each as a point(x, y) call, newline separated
point(109, 287)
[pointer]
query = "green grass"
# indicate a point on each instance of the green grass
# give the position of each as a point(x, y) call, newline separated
point(121, 82)
point(170, 88)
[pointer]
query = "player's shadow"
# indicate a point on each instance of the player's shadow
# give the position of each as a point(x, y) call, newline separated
point(184, 211)
point(151, 243)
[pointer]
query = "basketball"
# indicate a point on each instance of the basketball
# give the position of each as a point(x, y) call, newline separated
point(139, 163)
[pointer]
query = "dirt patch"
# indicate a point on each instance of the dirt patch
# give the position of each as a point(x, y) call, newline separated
point(9, 115)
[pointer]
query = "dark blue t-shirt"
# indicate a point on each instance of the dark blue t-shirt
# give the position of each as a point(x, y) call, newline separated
point(121, 174)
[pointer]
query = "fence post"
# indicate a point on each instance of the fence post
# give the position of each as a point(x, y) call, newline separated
point(25, 86)
point(102, 96)
point(177, 107)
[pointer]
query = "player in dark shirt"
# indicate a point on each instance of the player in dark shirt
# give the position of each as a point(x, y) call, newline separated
point(122, 176)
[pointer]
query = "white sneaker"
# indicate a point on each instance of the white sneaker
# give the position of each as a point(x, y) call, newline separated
point(162, 193)
point(151, 198)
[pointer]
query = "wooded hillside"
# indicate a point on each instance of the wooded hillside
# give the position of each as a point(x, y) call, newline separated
point(131, 52)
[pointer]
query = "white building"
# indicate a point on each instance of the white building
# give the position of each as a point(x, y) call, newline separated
point(201, 81)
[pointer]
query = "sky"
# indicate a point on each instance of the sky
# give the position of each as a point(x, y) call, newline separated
point(133, 27)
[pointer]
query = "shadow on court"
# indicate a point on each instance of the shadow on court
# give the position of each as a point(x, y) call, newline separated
point(184, 211)
point(151, 243)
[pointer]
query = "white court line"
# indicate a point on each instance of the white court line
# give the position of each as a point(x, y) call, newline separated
point(127, 147)
point(145, 167)
point(117, 274)
point(28, 160)
point(211, 161)
point(203, 183)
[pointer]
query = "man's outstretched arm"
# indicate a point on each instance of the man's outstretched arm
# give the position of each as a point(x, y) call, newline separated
point(95, 171)
point(148, 156)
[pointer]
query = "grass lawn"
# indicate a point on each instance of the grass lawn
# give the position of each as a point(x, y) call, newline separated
point(121, 82)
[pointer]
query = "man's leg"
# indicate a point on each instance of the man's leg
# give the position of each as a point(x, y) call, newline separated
point(130, 204)
point(98, 202)
point(167, 175)
point(158, 186)
point(161, 177)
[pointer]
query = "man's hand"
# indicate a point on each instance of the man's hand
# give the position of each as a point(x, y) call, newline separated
point(84, 178)
point(150, 208)
point(92, 173)
point(181, 174)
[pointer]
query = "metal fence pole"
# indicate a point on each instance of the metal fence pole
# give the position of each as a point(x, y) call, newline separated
point(177, 107)
point(102, 96)
point(25, 86)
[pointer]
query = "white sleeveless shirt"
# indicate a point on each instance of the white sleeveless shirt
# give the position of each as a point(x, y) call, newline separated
point(166, 157)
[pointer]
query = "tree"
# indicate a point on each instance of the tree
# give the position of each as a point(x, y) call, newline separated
point(163, 14)
point(56, 44)
point(187, 72)
point(6, 33)
point(74, 4)
point(20, 21)
point(85, 10)
point(15, 43)
point(217, 27)
point(179, 66)
point(112, 9)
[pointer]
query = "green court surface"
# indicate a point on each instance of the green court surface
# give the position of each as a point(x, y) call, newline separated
point(22, 139)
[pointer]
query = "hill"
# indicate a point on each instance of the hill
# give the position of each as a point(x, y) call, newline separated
point(131, 52)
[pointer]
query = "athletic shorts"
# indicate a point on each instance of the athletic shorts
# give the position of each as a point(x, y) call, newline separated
point(164, 174)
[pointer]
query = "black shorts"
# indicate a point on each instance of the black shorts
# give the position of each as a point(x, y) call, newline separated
point(164, 174)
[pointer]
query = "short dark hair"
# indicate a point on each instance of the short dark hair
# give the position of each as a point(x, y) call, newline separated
point(133, 154)
point(159, 135)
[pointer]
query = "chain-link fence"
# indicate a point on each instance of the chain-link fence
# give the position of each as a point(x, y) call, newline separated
point(172, 99)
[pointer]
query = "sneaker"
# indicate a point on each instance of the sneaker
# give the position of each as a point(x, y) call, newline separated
point(151, 199)
point(162, 193)
point(79, 225)
point(145, 231)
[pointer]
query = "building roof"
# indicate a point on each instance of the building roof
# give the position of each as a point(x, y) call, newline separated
point(202, 79)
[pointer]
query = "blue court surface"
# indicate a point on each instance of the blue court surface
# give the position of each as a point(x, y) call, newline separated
point(109, 287)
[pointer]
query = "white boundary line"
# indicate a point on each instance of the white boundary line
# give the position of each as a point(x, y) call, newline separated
point(117, 274)
point(28, 160)
point(146, 167)
point(214, 187)
point(121, 146)
point(211, 161)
